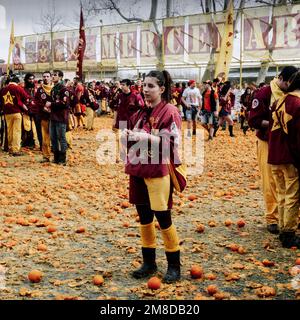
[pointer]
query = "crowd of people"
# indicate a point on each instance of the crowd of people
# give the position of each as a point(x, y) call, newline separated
point(42, 114)
point(213, 103)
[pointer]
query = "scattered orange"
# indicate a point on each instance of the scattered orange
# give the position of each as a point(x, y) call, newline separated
point(154, 283)
point(35, 276)
point(125, 204)
point(212, 289)
point(51, 229)
point(200, 228)
point(42, 247)
point(196, 272)
point(98, 280)
point(192, 197)
point(241, 223)
point(80, 230)
point(228, 223)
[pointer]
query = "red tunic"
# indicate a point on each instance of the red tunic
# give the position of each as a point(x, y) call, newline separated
point(164, 121)
point(260, 111)
point(60, 104)
point(128, 104)
point(41, 97)
point(284, 139)
point(13, 97)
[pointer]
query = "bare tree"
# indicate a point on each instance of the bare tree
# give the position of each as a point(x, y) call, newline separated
point(50, 22)
point(104, 6)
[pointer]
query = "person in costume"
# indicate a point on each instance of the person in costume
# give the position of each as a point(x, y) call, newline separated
point(42, 96)
point(59, 117)
point(153, 130)
point(284, 159)
point(259, 116)
point(14, 100)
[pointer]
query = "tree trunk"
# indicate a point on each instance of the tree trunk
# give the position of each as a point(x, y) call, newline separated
point(52, 51)
point(153, 10)
point(264, 67)
point(207, 6)
point(226, 3)
point(168, 8)
point(159, 50)
point(210, 68)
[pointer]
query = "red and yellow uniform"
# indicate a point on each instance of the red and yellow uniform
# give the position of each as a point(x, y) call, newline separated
point(150, 182)
point(128, 104)
point(13, 101)
point(259, 115)
point(284, 158)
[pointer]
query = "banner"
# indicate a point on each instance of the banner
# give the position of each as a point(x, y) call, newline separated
point(11, 46)
point(109, 46)
point(174, 40)
point(256, 35)
point(128, 45)
point(16, 54)
point(90, 56)
point(44, 51)
point(59, 47)
point(286, 33)
point(81, 47)
point(188, 41)
point(30, 52)
point(225, 55)
point(72, 49)
point(148, 44)
point(204, 36)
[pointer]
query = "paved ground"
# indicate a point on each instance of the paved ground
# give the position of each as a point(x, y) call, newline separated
point(34, 197)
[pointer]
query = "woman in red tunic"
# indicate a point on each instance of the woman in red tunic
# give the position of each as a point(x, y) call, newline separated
point(152, 142)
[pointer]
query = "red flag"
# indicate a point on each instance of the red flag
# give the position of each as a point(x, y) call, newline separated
point(81, 47)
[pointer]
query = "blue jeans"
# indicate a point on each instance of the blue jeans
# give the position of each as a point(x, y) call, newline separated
point(58, 136)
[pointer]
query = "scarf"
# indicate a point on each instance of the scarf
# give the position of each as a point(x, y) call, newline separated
point(277, 93)
point(47, 88)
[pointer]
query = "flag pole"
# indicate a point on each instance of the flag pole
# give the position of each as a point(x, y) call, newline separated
point(11, 46)
point(241, 48)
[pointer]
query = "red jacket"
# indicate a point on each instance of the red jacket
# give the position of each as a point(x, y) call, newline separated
point(128, 104)
point(41, 97)
point(259, 111)
point(13, 97)
point(163, 121)
point(284, 139)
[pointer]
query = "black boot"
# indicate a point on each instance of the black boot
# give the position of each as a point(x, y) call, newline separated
point(148, 267)
point(63, 158)
point(231, 131)
point(273, 228)
point(56, 157)
point(245, 129)
point(173, 272)
point(216, 128)
point(289, 239)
